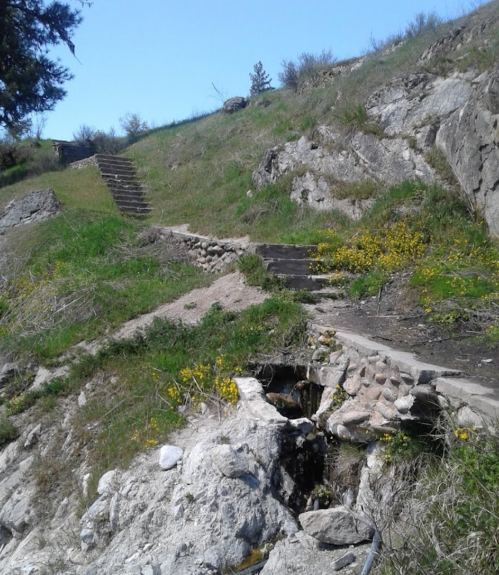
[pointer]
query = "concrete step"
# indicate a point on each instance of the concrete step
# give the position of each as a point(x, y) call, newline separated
point(309, 283)
point(283, 251)
point(112, 159)
point(133, 196)
point(133, 206)
point(109, 169)
point(291, 266)
point(119, 177)
point(135, 210)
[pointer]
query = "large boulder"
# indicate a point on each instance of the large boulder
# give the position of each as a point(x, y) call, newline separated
point(35, 207)
point(336, 526)
point(234, 104)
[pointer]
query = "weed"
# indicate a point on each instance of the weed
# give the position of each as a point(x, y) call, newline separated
point(8, 430)
point(452, 511)
point(400, 446)
point(355, 115)
point(437, 160)
point(256, 274)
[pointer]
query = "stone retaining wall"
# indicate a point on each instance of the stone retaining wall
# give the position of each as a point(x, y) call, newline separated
point(80, 164)
point(372, 389)
point(210, 254)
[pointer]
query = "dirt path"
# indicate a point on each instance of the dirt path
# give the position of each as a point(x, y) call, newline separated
point(229, 291)
point(397, 321)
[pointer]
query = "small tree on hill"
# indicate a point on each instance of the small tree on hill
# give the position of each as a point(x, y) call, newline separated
point(260, 81)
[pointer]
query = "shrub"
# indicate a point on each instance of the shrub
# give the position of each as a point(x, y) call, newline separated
point(307, 66)
point(108, 143)
point(8, 430)
point(84, 134)
point(452, 513)
point(133, 124)
point(423, 23)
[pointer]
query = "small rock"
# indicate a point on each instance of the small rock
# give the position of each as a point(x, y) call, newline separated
point(82, 399)
point(107, 483)
point(352, 384)
point(355, 417)
point(33, 436)
point(343, 561)
point(336, 526)
point(404, 404)
point(229, 462)
point(87, 536)
point(169, 456)
point(389, 394)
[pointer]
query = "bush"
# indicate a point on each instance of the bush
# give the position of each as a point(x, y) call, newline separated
point(423, 23)
point(8, 430)
point(84, 134)
point(307, 66)
point(108, 143)
point(133, 124)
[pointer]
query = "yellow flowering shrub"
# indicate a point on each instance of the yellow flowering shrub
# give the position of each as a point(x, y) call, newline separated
point(201, 382)
point(388, 249)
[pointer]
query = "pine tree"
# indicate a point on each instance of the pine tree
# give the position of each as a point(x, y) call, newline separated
point(260, 81)
point(29, 80)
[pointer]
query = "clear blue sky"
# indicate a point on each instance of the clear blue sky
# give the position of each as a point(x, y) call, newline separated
point(159, 58)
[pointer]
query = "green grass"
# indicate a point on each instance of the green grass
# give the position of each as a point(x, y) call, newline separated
point(76, 189)
point(84, 276)
point(452, 512)
point(137, 406)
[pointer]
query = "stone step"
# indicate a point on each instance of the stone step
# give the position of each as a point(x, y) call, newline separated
point(119, 177)
point(309, 283)
point(113, 159)
point(283, 251)
point(131, 204)
point(133, 196)
point(291, 266)
point(135, 210)
point(108, 169)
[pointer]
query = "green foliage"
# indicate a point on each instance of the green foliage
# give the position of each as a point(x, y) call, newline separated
point(147, 378)
point(133, 125)
point(400, 446)
point(423, 23)
point(25, 159)
point(437, 160)
point(307, 66)
point(256, 274)
point(260, 81)
point(31, 82)
point(454, 511)
point(8, 430)
point(368, 285)
point(355, 115)
point(85, 275)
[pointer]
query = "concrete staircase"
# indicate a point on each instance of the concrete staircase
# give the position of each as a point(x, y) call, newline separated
point(121, 178)
point(292, 262)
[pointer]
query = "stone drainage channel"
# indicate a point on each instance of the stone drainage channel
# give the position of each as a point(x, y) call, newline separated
point(355, 391)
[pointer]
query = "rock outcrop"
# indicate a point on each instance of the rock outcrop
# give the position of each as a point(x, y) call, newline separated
point(34, 207)
point(458, 114)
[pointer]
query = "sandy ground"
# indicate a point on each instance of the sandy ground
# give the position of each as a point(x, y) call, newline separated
point(229, 291)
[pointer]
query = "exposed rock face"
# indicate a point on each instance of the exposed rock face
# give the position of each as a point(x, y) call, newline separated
point(35, 207)
point(459, 114)
point(336, 526)
point(234, 104)
point(328, 160)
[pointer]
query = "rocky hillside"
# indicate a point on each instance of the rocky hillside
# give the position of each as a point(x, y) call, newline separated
point(168, 406)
